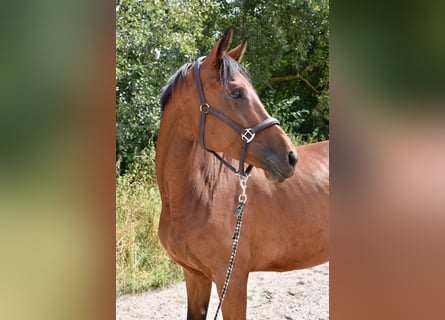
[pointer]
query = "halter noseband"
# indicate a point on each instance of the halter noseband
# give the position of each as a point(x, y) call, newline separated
point(247, 134)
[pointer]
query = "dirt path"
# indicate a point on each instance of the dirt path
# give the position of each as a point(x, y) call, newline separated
point(296, 295)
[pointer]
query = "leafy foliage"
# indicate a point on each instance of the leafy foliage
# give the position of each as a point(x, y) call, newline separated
point(287, 57)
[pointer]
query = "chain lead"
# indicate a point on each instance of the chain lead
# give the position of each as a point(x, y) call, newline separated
point(238, 213)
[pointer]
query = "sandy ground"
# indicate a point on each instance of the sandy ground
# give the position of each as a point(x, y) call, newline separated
point(295, 295)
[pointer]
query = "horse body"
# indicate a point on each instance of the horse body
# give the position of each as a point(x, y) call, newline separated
point(285, 225)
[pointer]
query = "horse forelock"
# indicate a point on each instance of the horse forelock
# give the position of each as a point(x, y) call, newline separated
point(228, 69)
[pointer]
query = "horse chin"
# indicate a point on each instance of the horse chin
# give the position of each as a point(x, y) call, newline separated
point(275, 173)
point(274, 177)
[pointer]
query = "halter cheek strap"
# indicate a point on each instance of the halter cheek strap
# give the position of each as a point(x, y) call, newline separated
point(247, 134)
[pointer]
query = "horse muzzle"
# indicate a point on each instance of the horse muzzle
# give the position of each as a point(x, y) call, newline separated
point(279, 168)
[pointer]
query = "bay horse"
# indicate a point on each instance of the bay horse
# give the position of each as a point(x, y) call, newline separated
point(285, 223)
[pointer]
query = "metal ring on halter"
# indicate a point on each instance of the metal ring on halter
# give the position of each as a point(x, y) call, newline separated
point(204, 107)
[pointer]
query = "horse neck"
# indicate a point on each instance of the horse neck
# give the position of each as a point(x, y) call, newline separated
point(186, 173)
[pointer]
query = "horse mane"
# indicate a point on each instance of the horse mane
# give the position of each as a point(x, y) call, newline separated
point(228, 69)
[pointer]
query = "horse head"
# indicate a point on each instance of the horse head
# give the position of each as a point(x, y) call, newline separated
point(222, 85)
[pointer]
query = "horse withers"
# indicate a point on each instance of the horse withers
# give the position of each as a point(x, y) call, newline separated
point(285, 224)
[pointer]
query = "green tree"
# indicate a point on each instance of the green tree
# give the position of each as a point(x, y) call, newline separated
point(153, 39)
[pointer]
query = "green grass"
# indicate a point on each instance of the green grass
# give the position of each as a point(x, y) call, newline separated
point(141, 261)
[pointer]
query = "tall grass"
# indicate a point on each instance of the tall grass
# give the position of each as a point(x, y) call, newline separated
point(141, 262)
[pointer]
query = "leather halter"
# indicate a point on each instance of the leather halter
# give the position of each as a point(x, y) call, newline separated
point(247, 134)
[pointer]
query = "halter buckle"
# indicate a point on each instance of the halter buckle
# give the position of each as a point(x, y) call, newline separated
point(247, 135)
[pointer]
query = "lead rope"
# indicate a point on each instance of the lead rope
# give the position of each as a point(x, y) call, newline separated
point(238, 213)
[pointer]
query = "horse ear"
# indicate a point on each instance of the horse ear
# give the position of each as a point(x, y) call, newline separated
point(220, 48)
point(238, 52)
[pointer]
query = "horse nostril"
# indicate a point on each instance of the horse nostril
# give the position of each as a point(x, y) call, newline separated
point(292, 158)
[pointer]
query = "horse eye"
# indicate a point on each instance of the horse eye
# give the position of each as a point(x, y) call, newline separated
point(237, 94)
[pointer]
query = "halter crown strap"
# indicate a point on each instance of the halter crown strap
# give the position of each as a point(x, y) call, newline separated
point(198, 80)
point(247, 134)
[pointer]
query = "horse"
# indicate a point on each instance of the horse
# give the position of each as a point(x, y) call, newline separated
point(206, 105)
